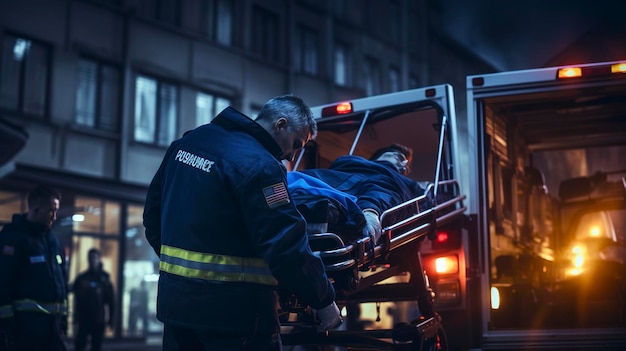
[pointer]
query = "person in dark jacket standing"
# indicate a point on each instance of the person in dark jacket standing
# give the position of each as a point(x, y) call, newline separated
point(218, 214)
point(33, 278)
point(93, 291)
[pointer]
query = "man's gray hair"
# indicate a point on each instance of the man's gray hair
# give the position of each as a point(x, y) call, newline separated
point(294, 109)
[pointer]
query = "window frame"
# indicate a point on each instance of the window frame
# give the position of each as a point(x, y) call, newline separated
point(157, 118)
point(214, 22)
point(265, 36)
point(307, 52)
point(218, 103)
point(347, 64)
point(22, 84)
point(395, 79)
point(100, 82)
point(372, 74)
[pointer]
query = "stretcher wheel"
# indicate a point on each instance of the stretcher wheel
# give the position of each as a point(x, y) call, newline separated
point(437, 343)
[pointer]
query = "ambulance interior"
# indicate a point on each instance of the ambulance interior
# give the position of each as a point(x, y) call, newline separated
point(556, 204)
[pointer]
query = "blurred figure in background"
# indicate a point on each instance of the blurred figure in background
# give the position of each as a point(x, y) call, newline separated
point(93, 291)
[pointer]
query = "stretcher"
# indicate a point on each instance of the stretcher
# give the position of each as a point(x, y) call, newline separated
point(359, 268)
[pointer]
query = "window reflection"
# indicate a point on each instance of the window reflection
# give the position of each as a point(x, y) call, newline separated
point(98, 216)
point(24, 75)
point(156, 110)
point(141, 269)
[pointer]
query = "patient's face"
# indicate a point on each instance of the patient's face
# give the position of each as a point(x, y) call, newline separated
point(397, 159)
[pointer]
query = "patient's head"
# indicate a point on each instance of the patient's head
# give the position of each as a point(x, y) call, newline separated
point(398, 155)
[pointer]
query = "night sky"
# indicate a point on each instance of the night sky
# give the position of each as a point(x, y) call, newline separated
point(527, 33)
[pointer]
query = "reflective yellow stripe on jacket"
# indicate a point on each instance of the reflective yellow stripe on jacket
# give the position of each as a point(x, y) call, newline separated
point(215, 267)
point(34, 306)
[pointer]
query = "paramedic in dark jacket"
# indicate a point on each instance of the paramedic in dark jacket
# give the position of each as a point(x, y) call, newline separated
point(219, 215)
point(33, 279)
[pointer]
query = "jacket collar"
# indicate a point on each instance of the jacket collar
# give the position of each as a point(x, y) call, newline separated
point(31, 228)
point(231, 119)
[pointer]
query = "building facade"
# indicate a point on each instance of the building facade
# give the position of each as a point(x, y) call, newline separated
point(103, 86)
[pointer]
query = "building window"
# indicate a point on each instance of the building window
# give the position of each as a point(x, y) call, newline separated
point(372, 76)
point(341, 8)
point(156, 110)
point(413, 83)
point(167, 11)
point(395, 22)
point(306, 51)
point(208, 106)
point(24, 75)
point(97, 97)
point(394, 79)
point(219, 18)
point(414, 33)
point(265, 34)
point(343, 65)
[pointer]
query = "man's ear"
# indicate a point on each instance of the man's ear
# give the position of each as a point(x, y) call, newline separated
point(281, 123)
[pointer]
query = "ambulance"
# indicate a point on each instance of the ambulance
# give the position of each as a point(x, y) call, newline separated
point(537, 260)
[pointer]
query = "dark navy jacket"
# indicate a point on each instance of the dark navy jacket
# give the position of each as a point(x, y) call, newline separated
point(32, 264)
point(376, 184)
point(93, 291)
point(220, 204)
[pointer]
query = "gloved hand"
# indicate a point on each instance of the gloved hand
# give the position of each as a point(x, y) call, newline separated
point(329, 316)
point(372, 228)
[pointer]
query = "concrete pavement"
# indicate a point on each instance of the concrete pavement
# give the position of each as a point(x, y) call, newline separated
point(149, 344)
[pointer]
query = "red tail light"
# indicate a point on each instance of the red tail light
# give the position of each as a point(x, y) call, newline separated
point(447, 239)
point(339, 109)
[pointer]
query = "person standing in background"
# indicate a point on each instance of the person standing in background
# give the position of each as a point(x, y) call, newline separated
point(93, 291)
point(33, 278)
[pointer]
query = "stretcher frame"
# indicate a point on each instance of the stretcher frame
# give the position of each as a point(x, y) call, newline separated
point(397, 252)
point(394, 254)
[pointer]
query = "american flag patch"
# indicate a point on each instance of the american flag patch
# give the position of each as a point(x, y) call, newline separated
point(276, 195)
point(8, 250)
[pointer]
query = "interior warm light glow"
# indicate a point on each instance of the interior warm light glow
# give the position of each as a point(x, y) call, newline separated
point(570, 72)
point(594, 231)
point(447, 264)
point(579, 261)
point(495, 298)
point(573, 271)
point(618, 67)
point(578, 256)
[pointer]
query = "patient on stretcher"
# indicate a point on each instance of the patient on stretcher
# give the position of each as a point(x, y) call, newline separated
point(348, 197)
